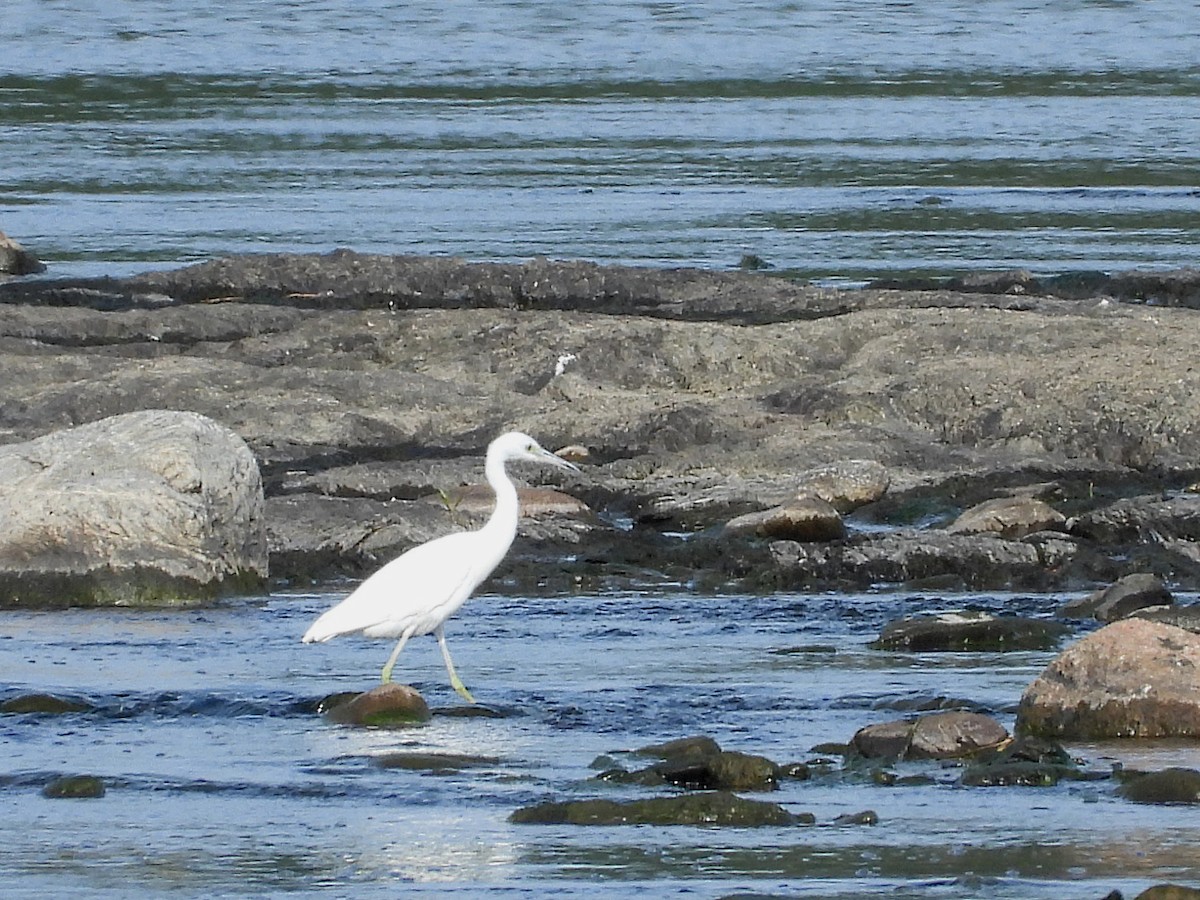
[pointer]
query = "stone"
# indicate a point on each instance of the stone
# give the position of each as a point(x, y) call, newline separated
point(801, 519)
point(74, 787)
point(145, 508)
point(969, 631)
point(389, 705)
point(44, 704)
point(727, 770)
point(16, 260)
point(1120, 599)
point(1026, 761)
point(847, 484)
point(1169, 892)
point(1134, 678)
point(697, 745)
point(479, 499)
point(704, 808)
point(432, 762)
point(1009, 517)
point(1174, 785)
point(948, 735)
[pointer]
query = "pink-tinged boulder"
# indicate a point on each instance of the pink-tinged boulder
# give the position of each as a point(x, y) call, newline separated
point(1135, 678)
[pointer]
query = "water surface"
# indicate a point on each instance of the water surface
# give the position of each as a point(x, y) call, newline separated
point(832, 140)
point(222, 781)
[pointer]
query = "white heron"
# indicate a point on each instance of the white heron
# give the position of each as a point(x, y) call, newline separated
point(418, 591)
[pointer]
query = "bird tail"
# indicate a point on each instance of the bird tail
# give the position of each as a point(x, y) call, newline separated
point(323, 629)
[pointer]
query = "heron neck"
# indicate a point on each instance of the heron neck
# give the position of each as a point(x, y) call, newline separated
point(504, 517)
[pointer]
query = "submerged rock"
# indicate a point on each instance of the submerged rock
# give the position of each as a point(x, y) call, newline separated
point(148, 508)
point(969, 631)
point(48, 704)
point(1174, 785)
point(708, 808)
point(432, 762)
point(389, 705)
point(1169, 892)
point(74, 787)
point(1134, 678)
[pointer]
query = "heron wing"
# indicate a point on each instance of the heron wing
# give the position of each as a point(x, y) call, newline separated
point(414, 593)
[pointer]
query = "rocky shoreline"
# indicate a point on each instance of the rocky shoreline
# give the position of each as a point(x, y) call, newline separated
point(367, 387)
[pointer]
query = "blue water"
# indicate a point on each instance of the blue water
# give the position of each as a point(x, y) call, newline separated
point(836, 141)
point(223, 781)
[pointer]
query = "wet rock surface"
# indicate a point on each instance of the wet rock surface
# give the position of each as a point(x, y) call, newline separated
point(365, 384)
point(709, 808)
point(1134, 678)
point(389, 705)
point(1173, 785)
point(969, 631)
point(948, 735)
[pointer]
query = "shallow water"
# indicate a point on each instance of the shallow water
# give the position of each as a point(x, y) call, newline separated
point(835, 140)
point(222, 781)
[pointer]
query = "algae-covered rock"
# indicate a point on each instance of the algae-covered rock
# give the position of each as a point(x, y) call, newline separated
point(46, 704)
point(1174, 785)
point(969, 631)
point(389, 705)
point(74, 787)
point(707, 808)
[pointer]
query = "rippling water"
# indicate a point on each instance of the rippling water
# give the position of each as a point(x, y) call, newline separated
point(834, 140)
point(222, 781)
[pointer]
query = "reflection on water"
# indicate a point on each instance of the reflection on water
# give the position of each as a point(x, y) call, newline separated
point(222, 779)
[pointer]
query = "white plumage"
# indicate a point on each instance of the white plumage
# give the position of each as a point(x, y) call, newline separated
point(418, 591)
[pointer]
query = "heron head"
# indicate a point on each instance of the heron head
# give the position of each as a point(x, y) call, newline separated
point(518, 446)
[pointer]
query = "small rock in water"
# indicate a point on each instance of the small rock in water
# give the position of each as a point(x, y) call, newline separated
point(49, 704)
point(1174, 785)
point(433, 762)
point(389, 705)
point(866, 817)
point(697, 745)
point(1120, 599)
point(707, 808)
point(74, 787)
point(949, 735)
point(969, 631)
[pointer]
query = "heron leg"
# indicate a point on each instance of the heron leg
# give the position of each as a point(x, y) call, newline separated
point(387, 670)
point(455, 681)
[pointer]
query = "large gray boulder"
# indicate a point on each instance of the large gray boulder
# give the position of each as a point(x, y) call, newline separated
point(146, 508)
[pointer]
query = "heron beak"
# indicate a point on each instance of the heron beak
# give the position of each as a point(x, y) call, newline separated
point(559, 462)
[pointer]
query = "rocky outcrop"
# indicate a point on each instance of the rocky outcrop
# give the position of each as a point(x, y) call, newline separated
point(707, 808)
point(145, 508)
point(1135, 678)
point(362, 383)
